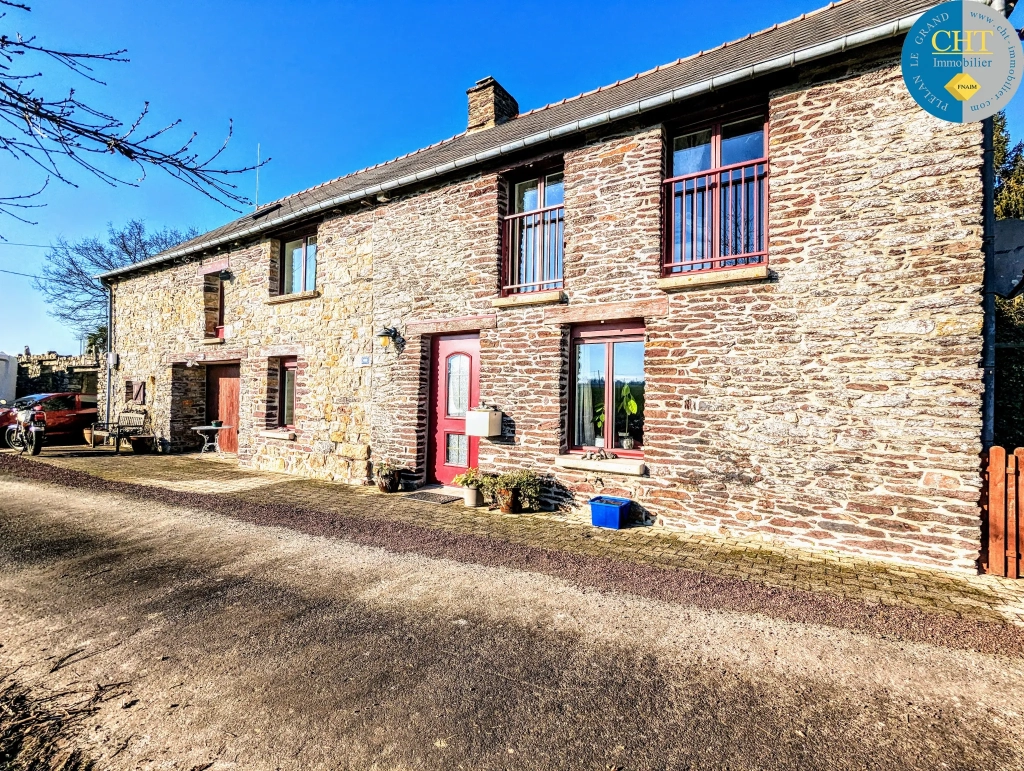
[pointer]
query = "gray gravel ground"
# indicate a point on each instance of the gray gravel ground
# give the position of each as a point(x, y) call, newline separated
point(257, 647)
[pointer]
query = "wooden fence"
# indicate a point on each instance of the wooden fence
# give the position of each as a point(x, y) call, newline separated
point(1003, 513)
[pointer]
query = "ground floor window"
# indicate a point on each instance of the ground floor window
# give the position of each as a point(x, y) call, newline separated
point(286, 393)
point(607, 387)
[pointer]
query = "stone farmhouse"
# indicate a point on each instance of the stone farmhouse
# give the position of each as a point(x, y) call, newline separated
point(753, 275)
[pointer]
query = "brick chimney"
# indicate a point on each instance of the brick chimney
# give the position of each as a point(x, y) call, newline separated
point(489, 105)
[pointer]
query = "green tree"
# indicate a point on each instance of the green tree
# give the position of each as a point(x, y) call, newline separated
point(1009, 167)
point(1009, 204)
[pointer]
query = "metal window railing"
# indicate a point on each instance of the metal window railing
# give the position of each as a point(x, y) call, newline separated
point(717, 219)
point(533, 250)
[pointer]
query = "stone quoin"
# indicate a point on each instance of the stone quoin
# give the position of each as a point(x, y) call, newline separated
point(826, 396)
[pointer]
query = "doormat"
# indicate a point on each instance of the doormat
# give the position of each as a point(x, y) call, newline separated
point(433, 497)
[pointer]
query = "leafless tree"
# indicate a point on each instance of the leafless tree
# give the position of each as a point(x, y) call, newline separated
point(56, 131)
point(74, 297)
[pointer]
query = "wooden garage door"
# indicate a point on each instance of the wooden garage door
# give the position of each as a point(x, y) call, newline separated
point(222, 390)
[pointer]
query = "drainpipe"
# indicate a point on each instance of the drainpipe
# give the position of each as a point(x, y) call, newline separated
point(110, 340)
point(988, 350)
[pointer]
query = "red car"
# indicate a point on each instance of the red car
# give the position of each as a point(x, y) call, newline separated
point(67, 414)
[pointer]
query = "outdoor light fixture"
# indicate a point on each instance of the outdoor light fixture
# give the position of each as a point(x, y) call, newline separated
point(389, 335)
point(224, 275)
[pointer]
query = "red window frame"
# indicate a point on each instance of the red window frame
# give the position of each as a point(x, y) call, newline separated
point(546, 222)
point(632, 330)
point(280, 261)
point(287, 365)
point(712, 182)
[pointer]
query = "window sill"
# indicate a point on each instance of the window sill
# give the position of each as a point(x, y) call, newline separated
point(282, 434)
point(212, 341)
point(687, 280)
point(633, 467)
point(529, 298)
point(294, 297)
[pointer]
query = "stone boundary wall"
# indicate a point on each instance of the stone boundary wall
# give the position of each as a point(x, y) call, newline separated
point(835, 404)
point(52, 372)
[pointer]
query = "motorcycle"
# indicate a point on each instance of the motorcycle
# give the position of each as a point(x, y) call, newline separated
point(29, 430)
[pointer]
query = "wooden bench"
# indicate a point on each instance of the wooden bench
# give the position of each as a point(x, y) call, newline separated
point(129, 425)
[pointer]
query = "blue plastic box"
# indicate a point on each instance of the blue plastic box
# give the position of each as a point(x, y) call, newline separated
point(607, 511)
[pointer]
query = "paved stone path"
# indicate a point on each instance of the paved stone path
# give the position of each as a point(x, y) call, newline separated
point(978, 597)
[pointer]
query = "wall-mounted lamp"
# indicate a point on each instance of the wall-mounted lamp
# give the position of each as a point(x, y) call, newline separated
point(389, 335)
point(224, 275)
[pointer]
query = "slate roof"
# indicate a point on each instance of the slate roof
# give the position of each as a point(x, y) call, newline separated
point(812, 35)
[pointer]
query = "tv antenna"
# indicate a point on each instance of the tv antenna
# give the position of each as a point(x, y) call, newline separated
point(257, 177)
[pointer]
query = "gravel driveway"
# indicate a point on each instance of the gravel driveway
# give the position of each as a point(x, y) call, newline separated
point(257, 647)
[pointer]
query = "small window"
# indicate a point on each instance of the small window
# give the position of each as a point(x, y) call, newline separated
point(286, 393)
point(458, 385)
point(298, 265)
point(608, 387)
point(213, 305)
point(534, 235)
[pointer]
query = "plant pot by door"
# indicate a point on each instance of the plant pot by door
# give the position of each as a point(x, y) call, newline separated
point(508, 501)
point(87, 435)
point(141, 445)
point(472, 497)
point(388, 483)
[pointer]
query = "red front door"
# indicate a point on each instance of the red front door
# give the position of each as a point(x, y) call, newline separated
point(455, 382)
point(222, 392)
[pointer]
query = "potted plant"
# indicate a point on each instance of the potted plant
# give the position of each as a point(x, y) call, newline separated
point(599, 425)
point(628, 405)
point(388, 477)
point(517, 491)
point(472, 480)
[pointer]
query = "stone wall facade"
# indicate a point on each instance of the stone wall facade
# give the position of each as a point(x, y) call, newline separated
point(834, 404)
point(40, 373)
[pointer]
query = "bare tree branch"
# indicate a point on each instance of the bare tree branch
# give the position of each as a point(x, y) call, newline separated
point(77, 299)
point(51, 131)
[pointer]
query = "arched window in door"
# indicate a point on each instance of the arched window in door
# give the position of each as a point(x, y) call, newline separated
point(458, 385)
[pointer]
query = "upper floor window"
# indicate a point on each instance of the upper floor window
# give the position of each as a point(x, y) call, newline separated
point(716, 213)
point(298, 265)
point(534, 236)
point(213, 305)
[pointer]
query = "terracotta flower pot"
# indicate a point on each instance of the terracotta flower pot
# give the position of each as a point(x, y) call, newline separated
point(141, 445)
point(388, 483)
point(508, 501)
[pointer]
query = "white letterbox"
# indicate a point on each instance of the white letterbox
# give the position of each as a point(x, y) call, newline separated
point(483, 421)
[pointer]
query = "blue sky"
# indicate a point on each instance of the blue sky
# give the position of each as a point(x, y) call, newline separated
point(325, 88)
